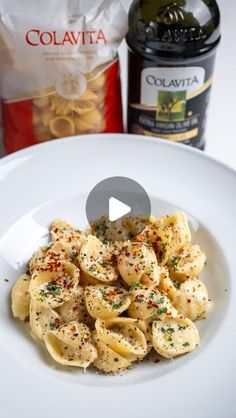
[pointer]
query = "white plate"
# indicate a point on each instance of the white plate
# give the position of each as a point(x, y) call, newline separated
point(53, 180)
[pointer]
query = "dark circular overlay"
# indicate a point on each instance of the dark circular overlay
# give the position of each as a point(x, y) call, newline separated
point(125, 190)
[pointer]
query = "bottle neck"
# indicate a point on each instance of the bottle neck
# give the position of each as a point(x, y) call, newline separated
point(177, 28)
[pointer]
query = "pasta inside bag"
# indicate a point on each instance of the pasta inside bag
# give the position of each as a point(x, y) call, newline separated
point(59, 69)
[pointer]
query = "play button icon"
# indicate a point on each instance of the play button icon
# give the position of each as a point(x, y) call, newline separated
point(117, 199)
point(117, 209)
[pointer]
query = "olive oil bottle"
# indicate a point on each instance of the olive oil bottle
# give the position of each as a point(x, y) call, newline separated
point(172, 46)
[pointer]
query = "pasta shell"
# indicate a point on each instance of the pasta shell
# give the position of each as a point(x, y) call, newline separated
point(187, 262)
point(112, 231)
point(61, 106)
point(94, 119)
point(89, 95)
point(101, 100)
point(118, 231)
point(43, 136)
point(149, 303)
point(46, 116)
point(137, 263)
point(61, 126)
point(75, 309)
point(173, 337)
point(69, 237)
point(167, 235)
point(81, 125)
point(56, 286)
point(95, 260)
point(146, 327)
point(106, 301)
point(159, 238)
point(42, 319)
point(87, 280)
point(123, 336)
point(71, 345)
point(20, 297)
point(47, 258)
point(192, 299)
point(108, 360)
point(180, 230)
point(167, 286)
point(84, 107)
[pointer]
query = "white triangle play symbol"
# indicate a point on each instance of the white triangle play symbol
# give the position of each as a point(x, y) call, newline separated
point(117, 209)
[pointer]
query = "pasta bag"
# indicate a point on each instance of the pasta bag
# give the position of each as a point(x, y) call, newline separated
point(60, 69)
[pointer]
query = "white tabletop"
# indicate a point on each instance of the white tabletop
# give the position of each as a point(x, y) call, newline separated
point(220, 135)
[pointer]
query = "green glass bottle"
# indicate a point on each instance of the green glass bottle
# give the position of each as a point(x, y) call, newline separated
point(172, 45)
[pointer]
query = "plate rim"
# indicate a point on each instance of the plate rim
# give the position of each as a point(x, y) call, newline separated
point(155, 140)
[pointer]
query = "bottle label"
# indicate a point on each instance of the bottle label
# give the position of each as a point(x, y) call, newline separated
point(173, 102)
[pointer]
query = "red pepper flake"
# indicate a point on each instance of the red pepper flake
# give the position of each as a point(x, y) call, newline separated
point(139, 298)
point(189, 300)
point(152, 304)
point(68, 286)
point(110, 295)
point(75, 308)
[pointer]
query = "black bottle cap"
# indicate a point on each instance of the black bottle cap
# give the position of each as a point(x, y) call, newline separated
point(178, 29)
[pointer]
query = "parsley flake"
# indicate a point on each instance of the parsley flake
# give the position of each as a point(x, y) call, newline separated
point(136, 285)
point(174, 262)
point(116, 306)
point(53, 325)
point(161, 311)
point(53, 289)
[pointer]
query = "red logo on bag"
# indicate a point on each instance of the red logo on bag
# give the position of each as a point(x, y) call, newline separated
point(35, 37)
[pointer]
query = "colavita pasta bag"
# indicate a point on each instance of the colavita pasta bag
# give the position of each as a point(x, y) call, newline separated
point(59, 69)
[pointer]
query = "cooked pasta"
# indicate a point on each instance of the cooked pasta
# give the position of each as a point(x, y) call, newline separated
point(174, 336)
point(42, 319)
point(55, 286)
point(123, 336)
point(70, 237)
point(108, 360)
point(75, 308)
point(71, 345)
point(192, 299)
point(149, 303)
point(137, 263)
point(20, 297)
point(109, 303)
point(95, 260)
point(187, 262)
point(106, 301)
